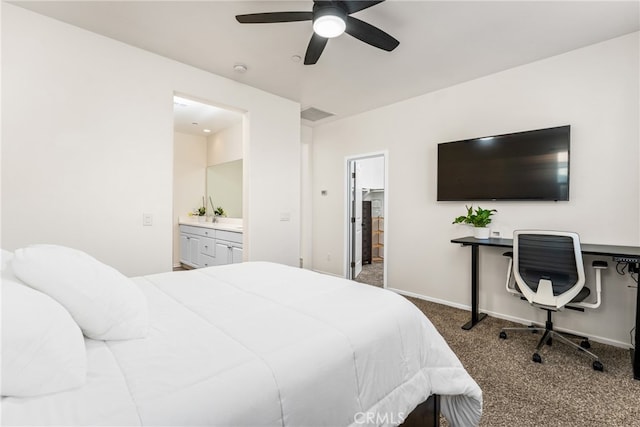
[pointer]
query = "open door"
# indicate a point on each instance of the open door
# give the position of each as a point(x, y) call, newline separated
point(356, 220)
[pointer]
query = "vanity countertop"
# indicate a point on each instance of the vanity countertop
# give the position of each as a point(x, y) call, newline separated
point(227, 224)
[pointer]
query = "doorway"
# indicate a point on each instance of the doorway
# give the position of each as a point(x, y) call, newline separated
point(366, 218)
point(208, 146)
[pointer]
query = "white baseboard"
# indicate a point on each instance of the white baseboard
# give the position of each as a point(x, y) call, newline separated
point(514, 319)
point(426, 298)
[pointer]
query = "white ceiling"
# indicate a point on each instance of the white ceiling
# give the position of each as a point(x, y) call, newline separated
point(442, 43)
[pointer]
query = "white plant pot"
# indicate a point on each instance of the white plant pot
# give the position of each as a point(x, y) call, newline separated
point(481, 232)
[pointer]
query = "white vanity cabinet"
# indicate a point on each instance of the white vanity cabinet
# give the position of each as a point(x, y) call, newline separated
point(189, 249)
point(206, 246)
point(228, 247)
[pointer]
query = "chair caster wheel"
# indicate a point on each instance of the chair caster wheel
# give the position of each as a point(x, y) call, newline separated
point(503, 335)
point(585, 344)
point(597, 366)
point(536, 358)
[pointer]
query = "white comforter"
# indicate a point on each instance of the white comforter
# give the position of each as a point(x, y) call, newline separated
point(263, 344)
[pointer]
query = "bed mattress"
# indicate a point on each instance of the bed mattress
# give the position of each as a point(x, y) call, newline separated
point(263, 344)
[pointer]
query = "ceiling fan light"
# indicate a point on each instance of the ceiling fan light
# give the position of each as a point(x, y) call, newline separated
point(329, 26)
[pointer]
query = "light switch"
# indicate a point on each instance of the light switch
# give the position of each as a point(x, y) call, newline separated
point(285, 216)
point(147, 219)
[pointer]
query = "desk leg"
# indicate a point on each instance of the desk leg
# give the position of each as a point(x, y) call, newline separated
point(636, 353)
point(475, 316)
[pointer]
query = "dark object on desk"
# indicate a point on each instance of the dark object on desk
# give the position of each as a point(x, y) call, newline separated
point(549, 272)
point(587, 249)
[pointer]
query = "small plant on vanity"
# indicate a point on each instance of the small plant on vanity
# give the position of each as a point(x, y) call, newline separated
point(219, 211)
point(479, 219)
point(199, 213)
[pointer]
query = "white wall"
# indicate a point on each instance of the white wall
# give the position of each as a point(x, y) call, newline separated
point(372, 177)
point(189, 170)
point(594, 89)
point(372, 172)
point(87, 147)
point(306, 199)
point(225, 146)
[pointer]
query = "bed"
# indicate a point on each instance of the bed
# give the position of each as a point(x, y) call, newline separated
point(261, 343)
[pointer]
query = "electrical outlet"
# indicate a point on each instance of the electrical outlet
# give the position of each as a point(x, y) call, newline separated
point(147, 219)
point(328, 257)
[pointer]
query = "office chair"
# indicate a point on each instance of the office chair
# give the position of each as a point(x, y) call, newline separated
point(546, 269)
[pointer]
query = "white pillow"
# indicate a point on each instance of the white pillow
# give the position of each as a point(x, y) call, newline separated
point(5, 257)
point(104, 303)
point(42, 347)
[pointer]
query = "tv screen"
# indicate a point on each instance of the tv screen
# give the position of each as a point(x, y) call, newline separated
point(531, 165)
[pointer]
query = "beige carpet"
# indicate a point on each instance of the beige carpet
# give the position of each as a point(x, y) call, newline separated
point(562, 391)
point(372, 274)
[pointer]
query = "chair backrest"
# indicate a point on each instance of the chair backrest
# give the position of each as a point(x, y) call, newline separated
point(547, 266)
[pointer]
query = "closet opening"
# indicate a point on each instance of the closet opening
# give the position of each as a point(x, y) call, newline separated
point(366, 219)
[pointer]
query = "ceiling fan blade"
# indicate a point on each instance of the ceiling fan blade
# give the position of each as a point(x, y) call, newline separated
point(315, 48)
point(272, 17)
point(370, 34)
point(353, 6)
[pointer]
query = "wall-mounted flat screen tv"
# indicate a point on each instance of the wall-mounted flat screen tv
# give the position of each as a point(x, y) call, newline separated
point(531, 165)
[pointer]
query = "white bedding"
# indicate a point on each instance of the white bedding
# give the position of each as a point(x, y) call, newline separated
point(263, 344)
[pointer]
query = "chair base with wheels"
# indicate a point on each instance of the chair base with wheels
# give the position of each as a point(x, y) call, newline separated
point(547, 338)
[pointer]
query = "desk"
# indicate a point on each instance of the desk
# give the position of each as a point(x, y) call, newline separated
point(587, 249)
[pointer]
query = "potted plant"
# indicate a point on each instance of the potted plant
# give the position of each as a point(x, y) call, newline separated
point(478, 219)
point(200, 213)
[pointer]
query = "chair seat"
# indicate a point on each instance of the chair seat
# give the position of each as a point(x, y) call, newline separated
point(582, 295)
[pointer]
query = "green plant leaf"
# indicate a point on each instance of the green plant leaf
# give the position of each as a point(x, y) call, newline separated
point(479, 218)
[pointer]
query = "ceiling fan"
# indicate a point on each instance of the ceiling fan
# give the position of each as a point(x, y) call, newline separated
point(330, 19)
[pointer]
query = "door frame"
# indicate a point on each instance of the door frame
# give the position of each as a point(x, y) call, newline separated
point(347, 210)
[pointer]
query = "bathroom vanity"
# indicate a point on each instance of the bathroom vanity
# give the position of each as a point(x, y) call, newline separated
point(207, 244)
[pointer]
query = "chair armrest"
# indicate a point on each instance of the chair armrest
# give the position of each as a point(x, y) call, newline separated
point(598, 266)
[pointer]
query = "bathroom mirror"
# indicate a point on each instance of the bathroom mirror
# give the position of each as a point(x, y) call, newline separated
point(224, 187)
